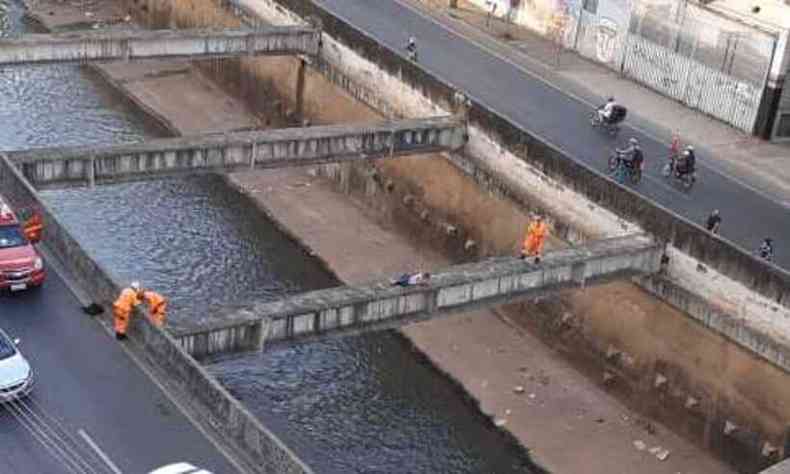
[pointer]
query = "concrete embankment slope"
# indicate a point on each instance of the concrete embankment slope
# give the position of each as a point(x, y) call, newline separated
point(253, 447)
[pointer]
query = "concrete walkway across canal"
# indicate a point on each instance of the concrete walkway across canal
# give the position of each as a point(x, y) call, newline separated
point(134, 44)
point(354, 309)
point(87, 165)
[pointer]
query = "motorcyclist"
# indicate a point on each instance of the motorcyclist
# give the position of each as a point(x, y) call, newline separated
point(605, 111)
point(632, 154)
point(411, 48)
point(687, 161)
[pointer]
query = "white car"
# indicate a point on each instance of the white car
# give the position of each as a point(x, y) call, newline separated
point(16, 376)
point(179, 468)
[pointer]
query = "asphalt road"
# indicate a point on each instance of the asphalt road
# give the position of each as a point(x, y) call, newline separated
point(748, 214)
point(86, 385)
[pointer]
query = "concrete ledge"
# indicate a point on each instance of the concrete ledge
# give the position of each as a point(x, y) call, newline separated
point(237, 151)
point(456, 289)
point(225, 418)
point(139, 44)
point(736, 329)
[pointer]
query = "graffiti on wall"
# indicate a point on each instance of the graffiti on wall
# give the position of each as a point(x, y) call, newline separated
point(606, 40)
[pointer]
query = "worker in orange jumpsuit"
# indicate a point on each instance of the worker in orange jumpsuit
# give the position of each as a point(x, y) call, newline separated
point(123, 307)
point(536, 236)
point(34, 227)
point(157, 307)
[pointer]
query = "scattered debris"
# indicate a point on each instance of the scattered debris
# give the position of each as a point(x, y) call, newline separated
point(640, 445)
point(655, 450)
point(532, 395)
point(691, 402)
point(518, 389)
point(663, 455)
point(769, 450)
point(500, 422)
point(599, 420)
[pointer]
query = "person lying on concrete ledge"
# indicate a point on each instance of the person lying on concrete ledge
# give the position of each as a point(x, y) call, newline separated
point(412, 279)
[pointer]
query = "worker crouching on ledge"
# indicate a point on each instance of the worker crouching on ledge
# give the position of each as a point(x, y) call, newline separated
point(123, 307)
point(157, 307)
point(535, 238)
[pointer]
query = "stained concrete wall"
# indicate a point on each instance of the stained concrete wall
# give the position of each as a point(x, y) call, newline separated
point(456, 289)
point(228, 421)
point(134, 44)
point(88, 165)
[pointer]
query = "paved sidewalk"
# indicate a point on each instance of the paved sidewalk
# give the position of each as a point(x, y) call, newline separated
point(762, 165)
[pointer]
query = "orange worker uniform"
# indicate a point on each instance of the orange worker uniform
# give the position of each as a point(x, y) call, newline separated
point(122, 309)
point(157, 305)
point(34, 227)
point(536, 236)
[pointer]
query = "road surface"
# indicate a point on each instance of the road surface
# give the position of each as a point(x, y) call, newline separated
point(748, 214)
point(92, 409)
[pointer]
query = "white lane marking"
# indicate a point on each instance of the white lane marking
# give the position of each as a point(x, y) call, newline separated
point(453, 30)
point(102, 455)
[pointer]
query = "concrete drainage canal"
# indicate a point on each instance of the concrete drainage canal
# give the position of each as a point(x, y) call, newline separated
point(368, 403)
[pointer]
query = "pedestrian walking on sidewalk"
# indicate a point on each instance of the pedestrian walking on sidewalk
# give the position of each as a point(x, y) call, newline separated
point(714, 222)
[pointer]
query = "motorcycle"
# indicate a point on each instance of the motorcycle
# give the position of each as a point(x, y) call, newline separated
point(622, 169)
point(670, 169)
point(612, 125)
point(411, 51)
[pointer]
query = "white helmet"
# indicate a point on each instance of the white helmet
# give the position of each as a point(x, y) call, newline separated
point(136, 286)
point(633, 141)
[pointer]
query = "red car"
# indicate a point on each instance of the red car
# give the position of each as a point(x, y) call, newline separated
point(21, 266)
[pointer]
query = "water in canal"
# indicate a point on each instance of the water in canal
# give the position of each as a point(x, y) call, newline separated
point(360, 404)
point(55, 105)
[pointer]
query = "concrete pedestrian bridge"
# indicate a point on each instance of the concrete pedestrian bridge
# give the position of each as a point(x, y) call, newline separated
point(171, 44)
point(89, 165)
point(354, 309)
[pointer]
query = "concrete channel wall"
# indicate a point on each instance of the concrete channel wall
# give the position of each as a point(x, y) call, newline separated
point(127, 45)
point(456, 289)
point(237, 151)
point(229, 422)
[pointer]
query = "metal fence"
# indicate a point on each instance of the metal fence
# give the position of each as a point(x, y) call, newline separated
point(700, 58)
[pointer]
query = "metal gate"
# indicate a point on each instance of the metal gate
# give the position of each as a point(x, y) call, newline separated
point(707, 62)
